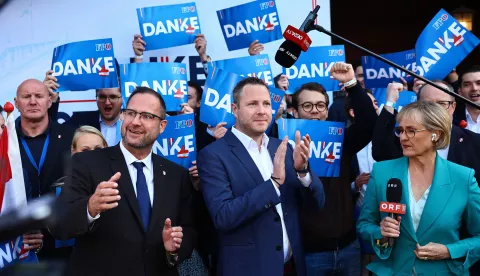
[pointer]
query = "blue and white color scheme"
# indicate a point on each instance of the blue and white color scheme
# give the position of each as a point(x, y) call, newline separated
point(217, 98)
point(315, 66)
point(169, 79)
point(168, 26)
point(404, 98)
point(277, 96)
point(379, 74)
point(250, 66)
point(242, 24)
point(84, 65)
point(177, 142)
point(443, 44)
point(326, 146)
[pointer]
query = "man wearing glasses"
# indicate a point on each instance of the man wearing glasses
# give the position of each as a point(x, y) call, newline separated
point(329, 235)
point(464, 144)
point(129, 209)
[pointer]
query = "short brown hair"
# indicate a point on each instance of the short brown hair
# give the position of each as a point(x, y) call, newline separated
point(312, 86)
point(238, 89)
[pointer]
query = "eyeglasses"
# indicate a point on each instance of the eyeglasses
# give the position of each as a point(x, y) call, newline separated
point(112, 98)
point(445, 104)
point(144, 116)
point(409, 131)
point(308, 106)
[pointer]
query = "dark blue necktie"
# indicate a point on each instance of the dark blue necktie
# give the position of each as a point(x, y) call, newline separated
point(142, 195)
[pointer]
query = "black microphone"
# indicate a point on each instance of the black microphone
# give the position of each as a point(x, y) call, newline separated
point(289, 51)
point(394, 196)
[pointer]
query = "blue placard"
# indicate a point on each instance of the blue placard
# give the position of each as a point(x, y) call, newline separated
point(379, 74)
point(217, 98)
point(168, 26)
point(404, 98)
point(12, 252)
point(169, 79)
point(326, 146)
point(85, 65)
point(243, 24)
point(443, 44)
point(177, 142)
point(315, 66)
point(276, 96)
point(251, 66)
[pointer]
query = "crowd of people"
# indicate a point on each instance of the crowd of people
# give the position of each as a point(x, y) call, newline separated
point(251, 205)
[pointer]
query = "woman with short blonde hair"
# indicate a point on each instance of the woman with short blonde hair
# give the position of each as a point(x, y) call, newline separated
point(87, 138)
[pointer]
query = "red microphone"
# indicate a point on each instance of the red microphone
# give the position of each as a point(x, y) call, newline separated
point(393, 206)
point(298, 37)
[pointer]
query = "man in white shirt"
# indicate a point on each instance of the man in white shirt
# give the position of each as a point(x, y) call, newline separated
point(121, 202)
point(470, 89)
point(250, 183)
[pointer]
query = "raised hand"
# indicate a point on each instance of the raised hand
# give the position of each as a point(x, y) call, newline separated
point(279, 162)
point(106, 196)
point(301, 152)
point(138, 45)
point(342, 72)
point(51, 82)
point(201, 46)
point(255, 48)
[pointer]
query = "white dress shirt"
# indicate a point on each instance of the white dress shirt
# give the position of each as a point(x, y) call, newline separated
point(110, 132)
point(416, 207)
point(365, 165)
point(471, 124)
point(147, 170)
point(264, 163)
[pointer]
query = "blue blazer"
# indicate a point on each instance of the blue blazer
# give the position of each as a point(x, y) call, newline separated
point(242, 207)
point(454, 199)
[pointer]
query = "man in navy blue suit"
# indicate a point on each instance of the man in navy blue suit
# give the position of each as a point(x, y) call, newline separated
point(251, 184)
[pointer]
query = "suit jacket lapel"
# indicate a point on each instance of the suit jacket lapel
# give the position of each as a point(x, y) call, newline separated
point(401, 172)
point(125, 185)
point(243, 156)
point(160, 190)
point(440, 192)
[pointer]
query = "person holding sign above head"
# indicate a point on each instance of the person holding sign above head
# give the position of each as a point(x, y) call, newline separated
point(330, 232)
point(424, 200)
point(106, 118)
point(44, 148)
point(129, 210)
point(249, 182)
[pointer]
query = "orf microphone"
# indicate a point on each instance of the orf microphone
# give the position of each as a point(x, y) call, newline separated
point(296, 40)
point(393, 205)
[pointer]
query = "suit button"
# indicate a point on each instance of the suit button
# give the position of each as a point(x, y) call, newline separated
point(279, 247)
point(276, 219)
point(146, 250)
point(266, 206)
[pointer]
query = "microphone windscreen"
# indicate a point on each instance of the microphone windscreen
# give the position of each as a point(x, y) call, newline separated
point(394, 190)
point(287, 54)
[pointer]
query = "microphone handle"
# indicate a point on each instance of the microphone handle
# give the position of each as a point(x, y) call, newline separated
point(391, 241)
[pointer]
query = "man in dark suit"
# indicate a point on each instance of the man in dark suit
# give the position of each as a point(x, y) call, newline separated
point(470, 89)
point(250, 183)
point(120, 202)
point(44, 148)
point(464, 144)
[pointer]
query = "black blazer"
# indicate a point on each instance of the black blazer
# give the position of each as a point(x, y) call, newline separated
point(116, 243)
point(464, 144)
point(85, 118)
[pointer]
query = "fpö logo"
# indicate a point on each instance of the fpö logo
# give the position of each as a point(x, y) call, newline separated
point(103, 47)
point(261, 61)
point(335, 52)
point(188, 9)
point(390, 207)
point(335, 131)
point(183, 124)
point(266, 5)
point(178, 70)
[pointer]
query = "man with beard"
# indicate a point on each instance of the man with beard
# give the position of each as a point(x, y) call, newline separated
point(129, 209)
point(470, 89)
point(329, 235)
point(106, 118)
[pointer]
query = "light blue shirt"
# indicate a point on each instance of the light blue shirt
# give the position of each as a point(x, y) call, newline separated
point(111, 132)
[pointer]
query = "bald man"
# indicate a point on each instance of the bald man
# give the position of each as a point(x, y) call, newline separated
point(45, 149)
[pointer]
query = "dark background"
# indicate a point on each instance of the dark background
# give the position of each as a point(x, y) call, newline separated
point(386, 26)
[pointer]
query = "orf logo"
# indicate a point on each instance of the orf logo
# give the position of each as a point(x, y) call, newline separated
point(444, 17)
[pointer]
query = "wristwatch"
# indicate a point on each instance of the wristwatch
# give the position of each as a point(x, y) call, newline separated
point(304, 170)
point(390, 104)
point(172, 258)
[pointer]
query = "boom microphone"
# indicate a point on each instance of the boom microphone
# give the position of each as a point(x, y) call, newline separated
point(296, 40)
point(393, 206)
